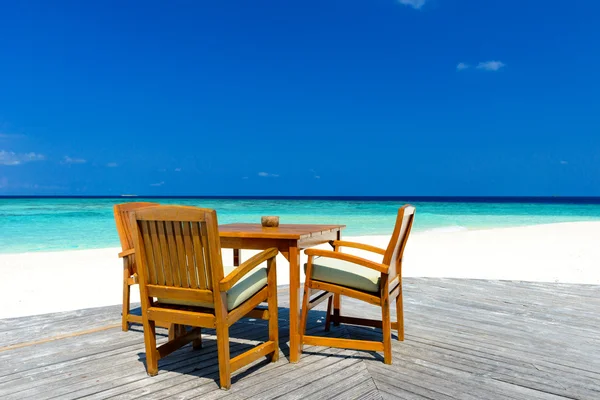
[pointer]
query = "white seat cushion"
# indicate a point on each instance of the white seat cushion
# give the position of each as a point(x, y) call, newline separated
point(346, 274)
point(248, 286)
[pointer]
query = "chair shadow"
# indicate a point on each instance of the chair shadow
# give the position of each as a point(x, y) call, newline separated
point(248, 333)
point(244, 335)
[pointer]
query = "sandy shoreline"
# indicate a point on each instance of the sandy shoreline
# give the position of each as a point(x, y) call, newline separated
point(38, 283)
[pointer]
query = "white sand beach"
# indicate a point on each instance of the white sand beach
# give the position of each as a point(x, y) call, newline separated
point(38, 283)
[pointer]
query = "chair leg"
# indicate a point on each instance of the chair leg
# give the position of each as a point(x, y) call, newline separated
point(176, 330)
point(172, 331)
point(400, 315)
point(337, 309)
point(126, 299)
point(197, 343)
point(329, 311)
point(304, 314)
point(273, 310)
point(150, 343)
point(223, 353)
point(386, 327)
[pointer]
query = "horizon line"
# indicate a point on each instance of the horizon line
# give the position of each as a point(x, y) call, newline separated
point(501, 198)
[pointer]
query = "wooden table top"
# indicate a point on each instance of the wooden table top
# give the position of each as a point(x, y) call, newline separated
point(283, 231)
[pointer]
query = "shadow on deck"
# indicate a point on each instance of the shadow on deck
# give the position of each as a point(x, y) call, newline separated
point(465, 339)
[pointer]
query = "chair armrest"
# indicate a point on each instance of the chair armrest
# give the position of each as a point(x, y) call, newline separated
point(126, 253)
point(348, 257)
point(367, 247)
point(247, 266)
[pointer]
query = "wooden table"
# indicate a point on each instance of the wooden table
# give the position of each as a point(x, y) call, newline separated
point(290, 239)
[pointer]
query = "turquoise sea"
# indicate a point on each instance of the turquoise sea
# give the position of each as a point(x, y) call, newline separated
point(51, 224)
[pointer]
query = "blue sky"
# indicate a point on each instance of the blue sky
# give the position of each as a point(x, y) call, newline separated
point(327, 97)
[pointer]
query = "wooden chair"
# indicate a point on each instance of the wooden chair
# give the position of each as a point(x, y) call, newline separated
point(179, 264)
point(130, 277)
point(334, 274)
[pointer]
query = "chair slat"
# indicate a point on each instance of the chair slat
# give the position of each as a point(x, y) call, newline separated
point(201, 249)
point(164, 251)
point(182, 262)
point(173, 258)
point(151, 264)
point(160, 275)
point(212, 248)
point(205, 246)
point(189, 254)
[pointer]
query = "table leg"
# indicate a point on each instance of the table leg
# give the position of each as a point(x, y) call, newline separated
point(236, 257)
point(294, 259)
point(337, 299)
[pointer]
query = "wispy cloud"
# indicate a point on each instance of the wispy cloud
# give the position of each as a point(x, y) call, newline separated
point(177, 169)
point(158, 183)
point(4, 183)
point(563, 162)
point(462, 66)
point(490, 65)
point(6, 136)
point(112, 165)
point(416, 4)
point(72, 160)
point(268, 175)
point(12, 158)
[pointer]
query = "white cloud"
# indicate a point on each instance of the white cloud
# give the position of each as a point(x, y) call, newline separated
point(177, 169)
point(416, 4)
point(267, 175)
point(112, 165)
point(490, 65)
point(71, 160)
point(12, 158)
point(158, 183)
point(563, 162)
point(462, 66)
point(314, 174)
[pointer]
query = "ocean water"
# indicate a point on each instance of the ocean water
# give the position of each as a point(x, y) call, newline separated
point(52, 224)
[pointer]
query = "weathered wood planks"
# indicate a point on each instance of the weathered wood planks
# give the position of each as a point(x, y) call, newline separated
point(465, 339)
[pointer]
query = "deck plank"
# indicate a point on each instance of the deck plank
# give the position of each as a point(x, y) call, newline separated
point(465, 339)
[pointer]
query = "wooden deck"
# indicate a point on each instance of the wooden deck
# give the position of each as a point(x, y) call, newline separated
point(465, 339)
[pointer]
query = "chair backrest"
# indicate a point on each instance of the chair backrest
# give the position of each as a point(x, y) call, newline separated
point(395, 249)
point(122, 213)
point(179, 252)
